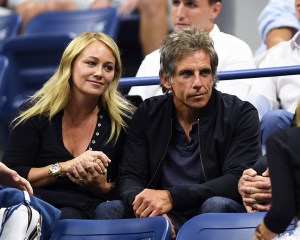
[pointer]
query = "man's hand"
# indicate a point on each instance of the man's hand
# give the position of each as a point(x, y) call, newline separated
point(150, 203)
point(255, 190)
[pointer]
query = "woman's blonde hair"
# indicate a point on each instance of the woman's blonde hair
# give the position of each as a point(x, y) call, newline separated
point(55, 93)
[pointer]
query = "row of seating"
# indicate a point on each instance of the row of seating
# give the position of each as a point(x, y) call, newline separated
point(103, 20)
point(208, 226)
point(123, 29)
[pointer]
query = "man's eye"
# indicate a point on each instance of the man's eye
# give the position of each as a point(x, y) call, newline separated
point(205, 72)
point(190, 4)
point(175, 3)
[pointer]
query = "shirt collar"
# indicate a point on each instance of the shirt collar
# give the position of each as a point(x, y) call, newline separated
point(295, 41)
point(215, 31)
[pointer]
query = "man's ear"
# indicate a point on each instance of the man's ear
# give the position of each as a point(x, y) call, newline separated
point(215, 11)
point(165, 81)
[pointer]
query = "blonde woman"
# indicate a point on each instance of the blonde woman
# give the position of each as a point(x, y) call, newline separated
point(68, 139)
point(284, 166)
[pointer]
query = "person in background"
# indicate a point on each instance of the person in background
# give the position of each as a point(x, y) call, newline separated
point(281, 91)
point(67, 140)
point(153, 23)
point(284, 167)
point(277, 22)
point(187, 149)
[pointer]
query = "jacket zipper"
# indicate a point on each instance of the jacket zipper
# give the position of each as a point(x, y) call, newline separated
point(161, 160)
point(200, 154)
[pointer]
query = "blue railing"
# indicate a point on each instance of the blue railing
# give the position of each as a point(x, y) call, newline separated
point(225, 75)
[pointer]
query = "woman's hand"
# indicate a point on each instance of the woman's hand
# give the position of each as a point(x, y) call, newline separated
point(99, 162)
point(86, 174)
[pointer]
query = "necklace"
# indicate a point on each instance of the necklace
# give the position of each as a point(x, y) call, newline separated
point(71, 135)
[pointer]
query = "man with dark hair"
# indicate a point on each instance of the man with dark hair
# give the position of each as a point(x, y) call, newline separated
point(187, 149)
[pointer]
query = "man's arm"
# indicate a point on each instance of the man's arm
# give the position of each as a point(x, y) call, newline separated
point(277, 22)
point(278, 35)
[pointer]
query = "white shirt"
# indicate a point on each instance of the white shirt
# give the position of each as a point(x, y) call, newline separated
point(284, 88)
point(233, 53)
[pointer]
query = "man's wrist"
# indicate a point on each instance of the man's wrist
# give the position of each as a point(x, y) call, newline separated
point(170, 196)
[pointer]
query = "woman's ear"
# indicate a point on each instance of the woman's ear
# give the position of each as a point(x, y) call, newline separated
point(165, 81)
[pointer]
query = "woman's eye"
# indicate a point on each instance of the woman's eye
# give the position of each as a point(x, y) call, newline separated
point(109, 68)
point(91, 63)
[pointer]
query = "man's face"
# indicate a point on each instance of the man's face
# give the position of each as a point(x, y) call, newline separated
point(188, 13)
point(192, 81)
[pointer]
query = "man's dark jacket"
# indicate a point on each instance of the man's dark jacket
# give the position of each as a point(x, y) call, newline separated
point(229, 135)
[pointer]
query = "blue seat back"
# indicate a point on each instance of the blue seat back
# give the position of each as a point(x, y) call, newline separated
point(154, 228)
point(32, 61)
point(9, 26)
point(100, 20)
point(219, 226)
point(3, 69)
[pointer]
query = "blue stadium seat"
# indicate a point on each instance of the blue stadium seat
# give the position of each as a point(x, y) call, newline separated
point(32, 60)
point(101, 20)
point(154, 228)
point(3, 67)
point(222, 226)
point(9, 26)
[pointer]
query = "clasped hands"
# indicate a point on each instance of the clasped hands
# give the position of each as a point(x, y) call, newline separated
point(255, 190)
point(88, 169)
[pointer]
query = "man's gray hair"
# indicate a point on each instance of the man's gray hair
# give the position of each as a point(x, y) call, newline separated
point(180, 42)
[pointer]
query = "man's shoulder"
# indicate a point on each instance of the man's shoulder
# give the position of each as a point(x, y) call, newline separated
point(157, 101)
point(225, 38)
point(150, 65)
point(233, 101)
point(156, 107)
point(232, 40)
point(153, 55)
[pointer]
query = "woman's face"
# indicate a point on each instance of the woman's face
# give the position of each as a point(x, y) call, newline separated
point(93, 70)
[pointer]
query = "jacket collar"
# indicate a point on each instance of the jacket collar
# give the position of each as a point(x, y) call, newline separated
point(207, 111)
